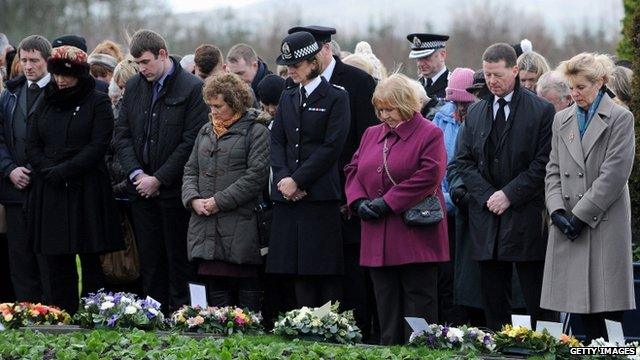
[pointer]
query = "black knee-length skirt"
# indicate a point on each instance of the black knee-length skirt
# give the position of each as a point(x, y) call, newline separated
point(306, 239)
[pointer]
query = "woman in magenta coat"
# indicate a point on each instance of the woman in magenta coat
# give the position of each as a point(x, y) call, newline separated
point(402, 259)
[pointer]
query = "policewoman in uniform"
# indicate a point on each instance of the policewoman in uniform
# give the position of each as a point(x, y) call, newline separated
point(307, 137)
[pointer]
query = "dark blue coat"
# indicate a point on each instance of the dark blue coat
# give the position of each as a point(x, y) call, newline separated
point(306, 143)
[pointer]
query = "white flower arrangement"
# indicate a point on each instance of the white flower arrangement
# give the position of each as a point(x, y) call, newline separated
point(323, 323)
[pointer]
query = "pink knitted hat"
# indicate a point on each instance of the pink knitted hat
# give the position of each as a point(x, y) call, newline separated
point(459, 80)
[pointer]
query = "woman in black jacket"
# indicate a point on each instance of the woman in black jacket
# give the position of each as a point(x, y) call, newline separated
point(71, 209)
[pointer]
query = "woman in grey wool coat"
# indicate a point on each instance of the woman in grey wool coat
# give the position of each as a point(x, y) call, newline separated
point(588, 268)
point(223, 180)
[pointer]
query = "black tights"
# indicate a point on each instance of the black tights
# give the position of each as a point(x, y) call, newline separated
point(239, 291)
point(594, 326)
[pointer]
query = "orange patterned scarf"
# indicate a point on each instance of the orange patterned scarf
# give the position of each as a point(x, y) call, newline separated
point(220, 127)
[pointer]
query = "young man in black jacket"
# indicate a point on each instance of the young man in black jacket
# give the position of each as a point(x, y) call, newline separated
point(161, 114)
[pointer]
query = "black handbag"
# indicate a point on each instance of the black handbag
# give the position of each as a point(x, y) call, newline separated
point(427, 212)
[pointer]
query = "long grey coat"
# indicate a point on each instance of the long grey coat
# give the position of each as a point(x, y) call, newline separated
point(589, 179)
point(235, 177)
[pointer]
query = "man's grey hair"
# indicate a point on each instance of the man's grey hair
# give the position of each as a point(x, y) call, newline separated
point(553, 80)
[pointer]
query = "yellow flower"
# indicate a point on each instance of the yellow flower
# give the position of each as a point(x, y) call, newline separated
point(8, 317)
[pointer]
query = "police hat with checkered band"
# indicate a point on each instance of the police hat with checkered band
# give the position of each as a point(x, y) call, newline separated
point(425, 44)
point(296, 47)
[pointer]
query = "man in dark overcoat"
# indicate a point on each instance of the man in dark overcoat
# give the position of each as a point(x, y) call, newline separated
point(18, 104)
point(502, 154)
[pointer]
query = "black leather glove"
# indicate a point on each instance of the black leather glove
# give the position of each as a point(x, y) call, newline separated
point(559, 219)
point(576, 225)
point(53, 175)
point(380, 207)
point(460, 197)
point(362, 207)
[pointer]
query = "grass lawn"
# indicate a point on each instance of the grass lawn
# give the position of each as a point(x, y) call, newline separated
point(137, 344)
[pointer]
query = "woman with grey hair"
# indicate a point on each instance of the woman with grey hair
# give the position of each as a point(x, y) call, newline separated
point(553, 87)
point(621, 85)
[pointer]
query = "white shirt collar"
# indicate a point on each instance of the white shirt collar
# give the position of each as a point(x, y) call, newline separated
point(42, 82)
point(312, 85)
point(506, 97)
point(435, 77)
point(328, 71)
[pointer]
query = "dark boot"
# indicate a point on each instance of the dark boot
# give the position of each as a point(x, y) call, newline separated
point(251, 300)
point(219, 298)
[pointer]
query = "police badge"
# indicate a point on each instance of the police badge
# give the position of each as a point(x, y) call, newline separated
point(416, 42)
point(286, 52)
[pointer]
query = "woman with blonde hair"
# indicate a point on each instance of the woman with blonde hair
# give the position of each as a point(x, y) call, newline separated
point(588, 268)
point(531, 65)
point(399, 166)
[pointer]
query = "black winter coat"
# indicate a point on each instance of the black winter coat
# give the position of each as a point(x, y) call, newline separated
point(179, 112)
point(523, 153)
point(70, 208)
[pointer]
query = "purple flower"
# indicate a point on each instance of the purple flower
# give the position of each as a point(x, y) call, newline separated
point(486, 340)
point(431, 339)
point(111, 322)
point(472, 334)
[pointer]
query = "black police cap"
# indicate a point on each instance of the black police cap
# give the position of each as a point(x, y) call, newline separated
point(296, 47)
point(425, 44)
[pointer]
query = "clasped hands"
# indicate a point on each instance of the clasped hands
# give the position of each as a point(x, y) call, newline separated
point(289, 189)
point(205, 207)
point(571, 226)
point(146, 185)
point(498, 203)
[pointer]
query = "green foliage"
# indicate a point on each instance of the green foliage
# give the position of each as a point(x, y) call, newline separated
point(634, 105)
point(625, 47)
point(137, 344)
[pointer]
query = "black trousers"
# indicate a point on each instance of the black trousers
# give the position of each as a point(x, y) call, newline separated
point(244, 292)
point(24, 264)
point(401, 291)
point(317, 290)
point(61, 288)
point(358, 291)
point(594, 325)
point(495, 279)
point(161, 234)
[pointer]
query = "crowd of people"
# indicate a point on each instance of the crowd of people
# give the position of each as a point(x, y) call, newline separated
point(462, 196)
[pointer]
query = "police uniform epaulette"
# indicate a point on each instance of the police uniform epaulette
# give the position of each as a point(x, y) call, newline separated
point(291, 86)
point(339, 87)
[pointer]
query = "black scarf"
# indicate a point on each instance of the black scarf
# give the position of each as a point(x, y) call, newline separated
point(71, 97)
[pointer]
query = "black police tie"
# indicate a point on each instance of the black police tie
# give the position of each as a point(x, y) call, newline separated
point(303, 97)
point(429, 82)
point(500, 122)
point(32, 94)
